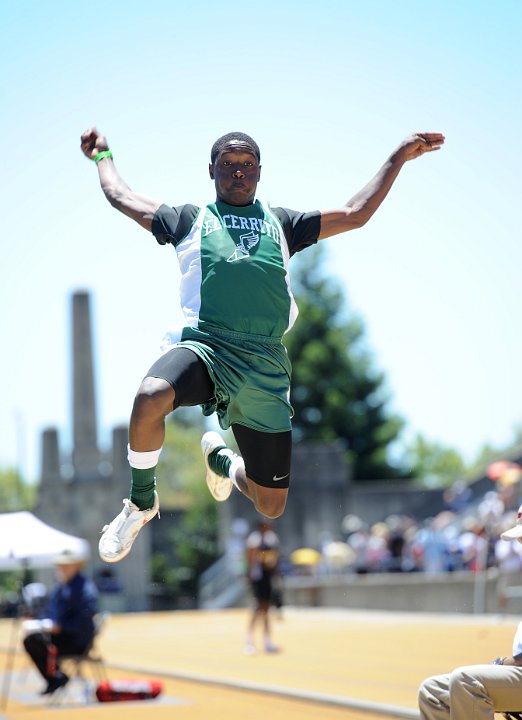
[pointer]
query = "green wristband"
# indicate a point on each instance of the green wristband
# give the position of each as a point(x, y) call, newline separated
point(101, 155)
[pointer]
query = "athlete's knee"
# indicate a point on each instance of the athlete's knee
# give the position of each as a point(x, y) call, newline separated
point(155, 398)
point(270, 503)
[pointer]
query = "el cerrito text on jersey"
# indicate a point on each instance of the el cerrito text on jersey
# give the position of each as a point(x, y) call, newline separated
point(234, 265)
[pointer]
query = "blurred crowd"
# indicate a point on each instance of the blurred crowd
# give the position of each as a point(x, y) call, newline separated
point(464, 536)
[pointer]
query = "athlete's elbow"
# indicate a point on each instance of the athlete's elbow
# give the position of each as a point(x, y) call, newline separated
point(358, 217)
point(350, 218)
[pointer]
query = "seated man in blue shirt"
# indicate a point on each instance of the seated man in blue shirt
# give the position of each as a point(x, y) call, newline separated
point(70, 621)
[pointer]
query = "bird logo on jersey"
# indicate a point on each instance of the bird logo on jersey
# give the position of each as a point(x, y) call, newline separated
point(245, 244)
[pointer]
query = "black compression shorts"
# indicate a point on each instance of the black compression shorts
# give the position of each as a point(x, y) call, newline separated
point(267, 456)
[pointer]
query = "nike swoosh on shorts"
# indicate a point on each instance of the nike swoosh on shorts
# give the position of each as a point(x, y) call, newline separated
point(275, 478)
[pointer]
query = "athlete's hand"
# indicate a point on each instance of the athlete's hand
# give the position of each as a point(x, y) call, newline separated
point(420, 143)
point(92, 143)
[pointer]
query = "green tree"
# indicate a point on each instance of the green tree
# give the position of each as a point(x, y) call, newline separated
point(435, 465)
point(337, 393)
point(15, 494)
point(489, 453)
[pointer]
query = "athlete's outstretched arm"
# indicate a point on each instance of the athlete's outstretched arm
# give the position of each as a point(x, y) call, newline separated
point(359, 209)
point(138, 207)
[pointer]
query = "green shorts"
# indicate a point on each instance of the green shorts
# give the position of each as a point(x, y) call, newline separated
point(251, 376)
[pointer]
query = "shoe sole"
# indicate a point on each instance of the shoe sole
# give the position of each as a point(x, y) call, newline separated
point(212, 478)
point(222, 493)
point(122, 555)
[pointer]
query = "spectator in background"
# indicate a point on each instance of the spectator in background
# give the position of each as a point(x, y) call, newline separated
point(432, 543)
point(377, 549)
point(473, 545)
point(358, 542)
point(396, 544)
point(474, 691)
point(262, 554)
point(508, 558)
point(458, 496)
point(477, 691)
point(397, 531)
point(68, 627)
point(491, 508)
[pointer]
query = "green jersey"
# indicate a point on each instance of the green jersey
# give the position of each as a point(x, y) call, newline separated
point(234, 264)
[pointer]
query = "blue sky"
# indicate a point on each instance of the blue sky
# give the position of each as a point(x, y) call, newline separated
point(328, 90)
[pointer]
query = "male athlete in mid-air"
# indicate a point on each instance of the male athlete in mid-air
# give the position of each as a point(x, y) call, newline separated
point(237, 302)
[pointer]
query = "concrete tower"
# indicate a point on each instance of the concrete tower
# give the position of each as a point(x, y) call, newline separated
point(88, 496)
point(50, 471)
point(85, 456)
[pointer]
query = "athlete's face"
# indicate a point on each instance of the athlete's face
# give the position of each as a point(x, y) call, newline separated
point(236, 172)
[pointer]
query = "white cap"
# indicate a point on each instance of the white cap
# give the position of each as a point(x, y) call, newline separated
point(69, 557)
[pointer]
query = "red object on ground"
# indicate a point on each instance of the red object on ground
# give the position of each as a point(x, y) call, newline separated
point(125, 690)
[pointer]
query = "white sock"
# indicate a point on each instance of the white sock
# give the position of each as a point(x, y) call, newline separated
point(237, 464)
point(143, 460)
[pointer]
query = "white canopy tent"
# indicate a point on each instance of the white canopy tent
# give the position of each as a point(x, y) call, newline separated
point(26, 541)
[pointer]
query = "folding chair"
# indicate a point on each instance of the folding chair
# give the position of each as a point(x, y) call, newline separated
point(35, 598)
point(75, 664)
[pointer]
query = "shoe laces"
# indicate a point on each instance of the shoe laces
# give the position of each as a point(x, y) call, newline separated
point(128, 508)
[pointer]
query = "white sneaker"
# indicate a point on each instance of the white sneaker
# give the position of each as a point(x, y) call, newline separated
point(249, 649)
point(117, 538)
point(220, 487)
